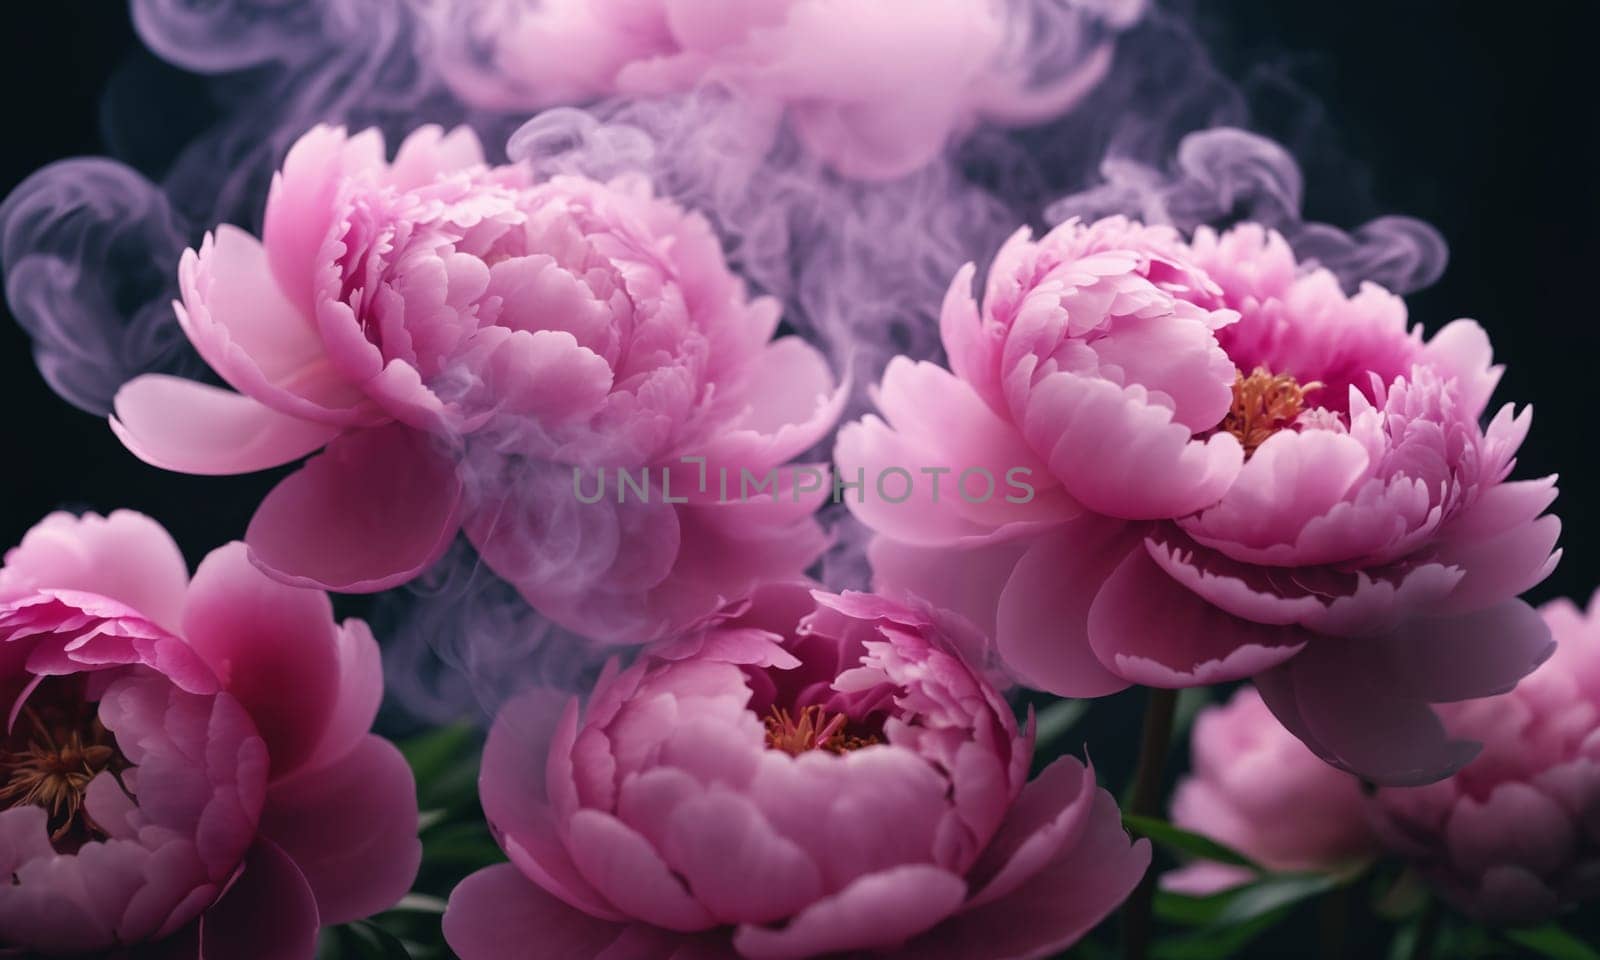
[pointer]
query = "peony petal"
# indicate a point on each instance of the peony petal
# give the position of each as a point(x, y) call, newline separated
point(301, 205)
point(241, 323)
point(524, 748)
point(792, 402)
point(742, 869)
point(428, 151)
point(370, 512)
point(189, 427)
point(498, 914)
point(622, 866)
point(268, 913)
point(1051, 813)
point(1146, 627)
point(880, 910)
point(1042, 627)
point(125, 556)
point(360, 693)
point(1097, 436)
point(1076, 890)
point(273, 646)
point(351, 829)
point(1342, 711)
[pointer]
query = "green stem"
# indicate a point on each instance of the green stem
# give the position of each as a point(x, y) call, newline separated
point(1145, 801)
point(1427, 931)
point(1334, 916)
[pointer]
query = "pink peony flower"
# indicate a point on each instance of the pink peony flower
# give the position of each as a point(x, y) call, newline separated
point(1236, 471)
point(814, 774)
point(1257, 789)
point(873, 89)
point(1514, 837)
point(460, 339)
point(186, 769)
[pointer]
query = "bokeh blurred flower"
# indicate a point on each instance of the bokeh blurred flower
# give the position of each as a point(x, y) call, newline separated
point(449, 331)
point(187, 768)
point(873, 89)
point(1238, 471)
point(811, 774)
point(1256, 789)
point(1514, 838)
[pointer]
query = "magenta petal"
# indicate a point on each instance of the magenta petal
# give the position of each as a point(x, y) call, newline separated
point(190, 427)
point(879, 910)
point(1049, 814)
point(1043, 621)
point(622, 865)
point(125, 556)
point(268, 913)
point(352, 830)
point(273, 646)
point(360, 692)
point(519, 760)
point(1146, 627)
point(498, 914)
point(1343, 713)
point(1063, 901)
point(1463, 657)
point(376, 508)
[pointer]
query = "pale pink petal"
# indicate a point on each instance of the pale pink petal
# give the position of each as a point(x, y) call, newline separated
point(736, 864)
point(1097, 435)
point(301, 204)
point(125, 556)
point(261, 344)
point(791, 403)
point(370, 512)
point(1042, 628)
point(429, 151)
point(191, 427)
point(880, 910)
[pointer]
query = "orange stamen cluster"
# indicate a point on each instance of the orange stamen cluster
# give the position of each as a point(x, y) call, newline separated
point(51, 764)
point(813, 728)
point(1263, 404)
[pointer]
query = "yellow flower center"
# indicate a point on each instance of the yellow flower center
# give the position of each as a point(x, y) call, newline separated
point(50, 757)
point(1263, 404)
point(813, 728)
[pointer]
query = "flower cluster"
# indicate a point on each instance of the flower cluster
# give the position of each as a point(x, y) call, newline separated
point(1159, 455)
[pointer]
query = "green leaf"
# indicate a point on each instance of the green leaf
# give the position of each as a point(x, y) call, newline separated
point(368, 941)
point(1214, 943)
point(1274, 893)
point(1055, 720)
point(466, 844)
point(1178, 840)
point(1554, 942)
point(445, 762)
